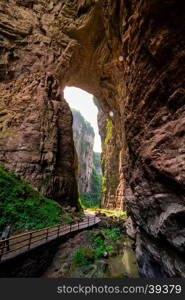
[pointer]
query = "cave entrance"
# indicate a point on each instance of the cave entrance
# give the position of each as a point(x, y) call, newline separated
point(88, 146)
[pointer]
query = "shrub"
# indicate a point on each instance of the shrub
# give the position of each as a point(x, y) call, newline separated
point(99, 245)
point(92, 199)
point(83, 256)
point(99, 251)
point(67, 219)
point(112, 234)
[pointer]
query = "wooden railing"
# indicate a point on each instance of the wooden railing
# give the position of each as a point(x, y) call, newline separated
point(25, 241)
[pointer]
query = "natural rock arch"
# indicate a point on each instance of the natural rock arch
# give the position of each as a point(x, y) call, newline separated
point(47, 45)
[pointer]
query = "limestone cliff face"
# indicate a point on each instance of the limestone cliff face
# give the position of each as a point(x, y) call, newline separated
point(129, 54)
point(83, 135)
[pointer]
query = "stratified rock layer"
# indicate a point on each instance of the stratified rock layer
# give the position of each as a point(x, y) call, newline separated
point(130, 55)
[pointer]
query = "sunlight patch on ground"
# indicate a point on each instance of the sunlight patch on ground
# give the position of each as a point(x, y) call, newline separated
point(109, 213)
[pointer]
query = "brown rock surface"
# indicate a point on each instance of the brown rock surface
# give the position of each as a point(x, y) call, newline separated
point(36, 138)
point(35, 121)
point(154, 130)
point(46, 46)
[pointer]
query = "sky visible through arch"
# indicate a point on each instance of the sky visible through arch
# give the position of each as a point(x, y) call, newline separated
point(83, 102)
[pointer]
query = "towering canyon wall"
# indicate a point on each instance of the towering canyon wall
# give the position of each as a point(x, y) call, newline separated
point(127, 53)
point(83, 135)
point(153, 119)
point(35, 122)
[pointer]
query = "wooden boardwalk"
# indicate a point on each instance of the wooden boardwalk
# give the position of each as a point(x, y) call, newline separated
point(23, 242)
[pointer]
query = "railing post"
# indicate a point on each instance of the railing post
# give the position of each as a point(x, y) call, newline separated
point(2, 250)
point(70, 227)
point(58, 230)
point(29, 245)
point(47, 231)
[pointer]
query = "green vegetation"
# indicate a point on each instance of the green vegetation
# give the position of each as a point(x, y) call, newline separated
point(103, 158)
point(92, 199)
point(67, 219)
point(83, 256)
point(108, 131)
point(109, 234)
point(113, 234)
point(104, 185)
point(97, 160)
point(100, 244)
point(115, 213)
point(86, 255)
point(100, 247)
point(23, 207)
point(96, 185)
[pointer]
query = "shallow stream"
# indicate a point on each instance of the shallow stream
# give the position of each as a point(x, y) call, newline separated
point(124, 264)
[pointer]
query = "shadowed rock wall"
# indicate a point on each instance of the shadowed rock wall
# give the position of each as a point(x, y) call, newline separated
point(154, 111)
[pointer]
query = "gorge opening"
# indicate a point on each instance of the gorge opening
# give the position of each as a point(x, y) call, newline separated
point(87, 142)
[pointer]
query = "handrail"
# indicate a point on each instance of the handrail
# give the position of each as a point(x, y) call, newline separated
point(30, 238)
